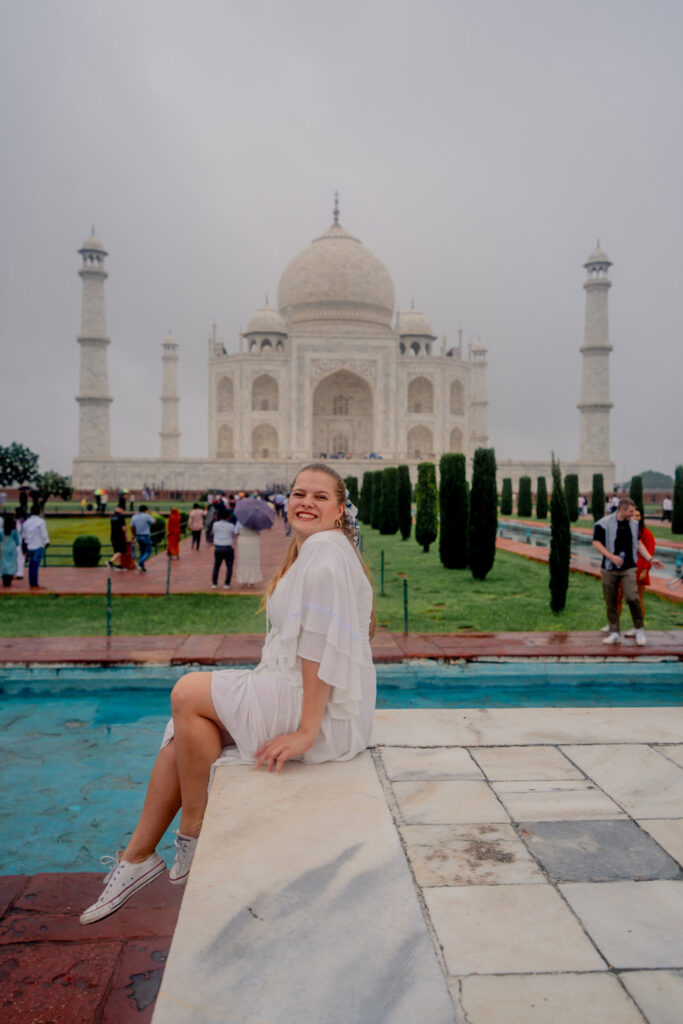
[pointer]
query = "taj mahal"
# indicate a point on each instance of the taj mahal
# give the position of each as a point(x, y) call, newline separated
point(334, 372)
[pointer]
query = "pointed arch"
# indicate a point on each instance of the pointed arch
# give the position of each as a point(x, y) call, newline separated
point(264, 394)
point(225, 395)
point(264, 442)
point(420, 443)
point(420, 395)
point(457, 398)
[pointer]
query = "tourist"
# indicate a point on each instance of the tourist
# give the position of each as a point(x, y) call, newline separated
point(195, 522)
point(141, 526)
point(173, 526)
point(616, 538)
point(667, 508)
point(642, 565)
point(9, 545)
point(312, 696)
point(35, 536)
point(225, 529)
point(119, 539)
point(20, 519)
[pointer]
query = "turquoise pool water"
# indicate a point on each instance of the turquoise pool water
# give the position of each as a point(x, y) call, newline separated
point(77, 745)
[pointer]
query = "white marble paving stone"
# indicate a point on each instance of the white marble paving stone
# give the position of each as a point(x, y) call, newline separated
point(544, 999)
point(668, 832)
point(641, 780)
point(529, 763)
point(486, 727)
point(674, 751)
point(468, 856)
point(300, 907)
point(447, 802)
point(659, 994)
point(505, 929)
point(558, 800)
point(409, 763)
point(633, 924)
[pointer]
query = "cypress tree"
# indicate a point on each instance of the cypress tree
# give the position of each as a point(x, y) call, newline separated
point(541, 498)
point(560, 543)
point(454, 503)
point(506, 497)
point(677, 514)
point(365, 503)
point(405, 511)
point(524, 497)
point(352, 487)
point(571, 495)
point(376, 506)
point(389, 504)
point(483, 513)
point(426, 495)
point(635, 493)
point(598, 497)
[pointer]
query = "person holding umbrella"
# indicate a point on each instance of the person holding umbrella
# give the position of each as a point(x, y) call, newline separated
point(311, 697)
point(253, 515)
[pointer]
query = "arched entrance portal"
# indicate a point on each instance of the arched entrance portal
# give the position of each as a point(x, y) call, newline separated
point(342, 415)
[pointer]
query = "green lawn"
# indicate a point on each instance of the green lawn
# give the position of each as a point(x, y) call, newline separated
point(514, 596)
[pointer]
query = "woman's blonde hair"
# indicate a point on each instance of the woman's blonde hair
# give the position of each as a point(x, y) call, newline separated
point(342, 523)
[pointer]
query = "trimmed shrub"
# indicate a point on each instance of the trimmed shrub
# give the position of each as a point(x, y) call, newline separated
point(352, 487)
point(405, 496)
point(158, 531)
point(85, 550)
point(388, 519)
point(571, 495)
point(677, 514)
point(453, 511)
point(376, 505)
point(184, 516)
point(635, 493)
point(598, 497)
point(426, 494)
point(560, 543)
point(524, 506)
point(506, 497)
point(541, 498)
point(483, 513)
point(365, 501)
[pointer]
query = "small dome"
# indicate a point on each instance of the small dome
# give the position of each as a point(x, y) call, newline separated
point(170, 340)
point(598, 256)
point(415, 323)
point(266, 320)
point(336, 281)
point(93, 244)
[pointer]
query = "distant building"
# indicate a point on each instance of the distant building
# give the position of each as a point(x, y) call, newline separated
point(333, 373)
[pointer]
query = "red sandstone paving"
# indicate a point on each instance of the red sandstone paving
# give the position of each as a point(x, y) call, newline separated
point(54, 969)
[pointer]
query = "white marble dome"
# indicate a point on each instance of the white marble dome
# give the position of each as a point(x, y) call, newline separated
point(338, 283)
point(415, 324)
point(266, 320)
point(598, 256)
point(92, 244)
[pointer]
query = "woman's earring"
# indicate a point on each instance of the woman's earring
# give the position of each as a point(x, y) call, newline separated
point(338, 522)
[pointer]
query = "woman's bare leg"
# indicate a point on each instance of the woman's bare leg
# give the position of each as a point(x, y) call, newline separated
point(199, 739)
point(162, 802)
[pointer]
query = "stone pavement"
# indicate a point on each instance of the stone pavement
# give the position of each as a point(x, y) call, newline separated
point(543, 847)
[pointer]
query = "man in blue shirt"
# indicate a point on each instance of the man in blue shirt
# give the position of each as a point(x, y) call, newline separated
point(141, 524)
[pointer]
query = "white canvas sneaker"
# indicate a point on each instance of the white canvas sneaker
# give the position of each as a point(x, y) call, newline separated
point(612, 638)
point(123, 880)
point(185, 847)
point(641, 639)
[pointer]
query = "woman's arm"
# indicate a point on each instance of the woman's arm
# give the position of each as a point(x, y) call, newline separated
point(293, 744)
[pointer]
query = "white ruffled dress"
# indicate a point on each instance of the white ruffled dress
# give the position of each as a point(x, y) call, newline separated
point(319, 611)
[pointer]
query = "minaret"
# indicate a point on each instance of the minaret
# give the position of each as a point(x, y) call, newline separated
point(170, 434)
point(93, 393)
point(595, 405)
point(478, 400)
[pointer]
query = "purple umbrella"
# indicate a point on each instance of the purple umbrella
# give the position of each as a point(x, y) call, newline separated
point(254, 514)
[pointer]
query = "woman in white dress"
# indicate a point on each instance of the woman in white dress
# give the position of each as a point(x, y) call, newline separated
point(311, 697)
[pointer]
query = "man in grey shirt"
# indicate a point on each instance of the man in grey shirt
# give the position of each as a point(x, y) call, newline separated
point(141, 524)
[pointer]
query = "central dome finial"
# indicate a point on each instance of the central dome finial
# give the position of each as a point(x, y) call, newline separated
point(336, 207)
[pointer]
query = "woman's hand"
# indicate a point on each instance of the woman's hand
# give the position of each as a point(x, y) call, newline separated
point(276, 752)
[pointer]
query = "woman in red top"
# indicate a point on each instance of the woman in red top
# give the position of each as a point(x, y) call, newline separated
point(173, 534)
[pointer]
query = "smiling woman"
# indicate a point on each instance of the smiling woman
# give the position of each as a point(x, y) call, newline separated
point(311, 697)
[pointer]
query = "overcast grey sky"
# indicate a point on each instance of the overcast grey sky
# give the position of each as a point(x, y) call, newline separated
point(480, 147)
